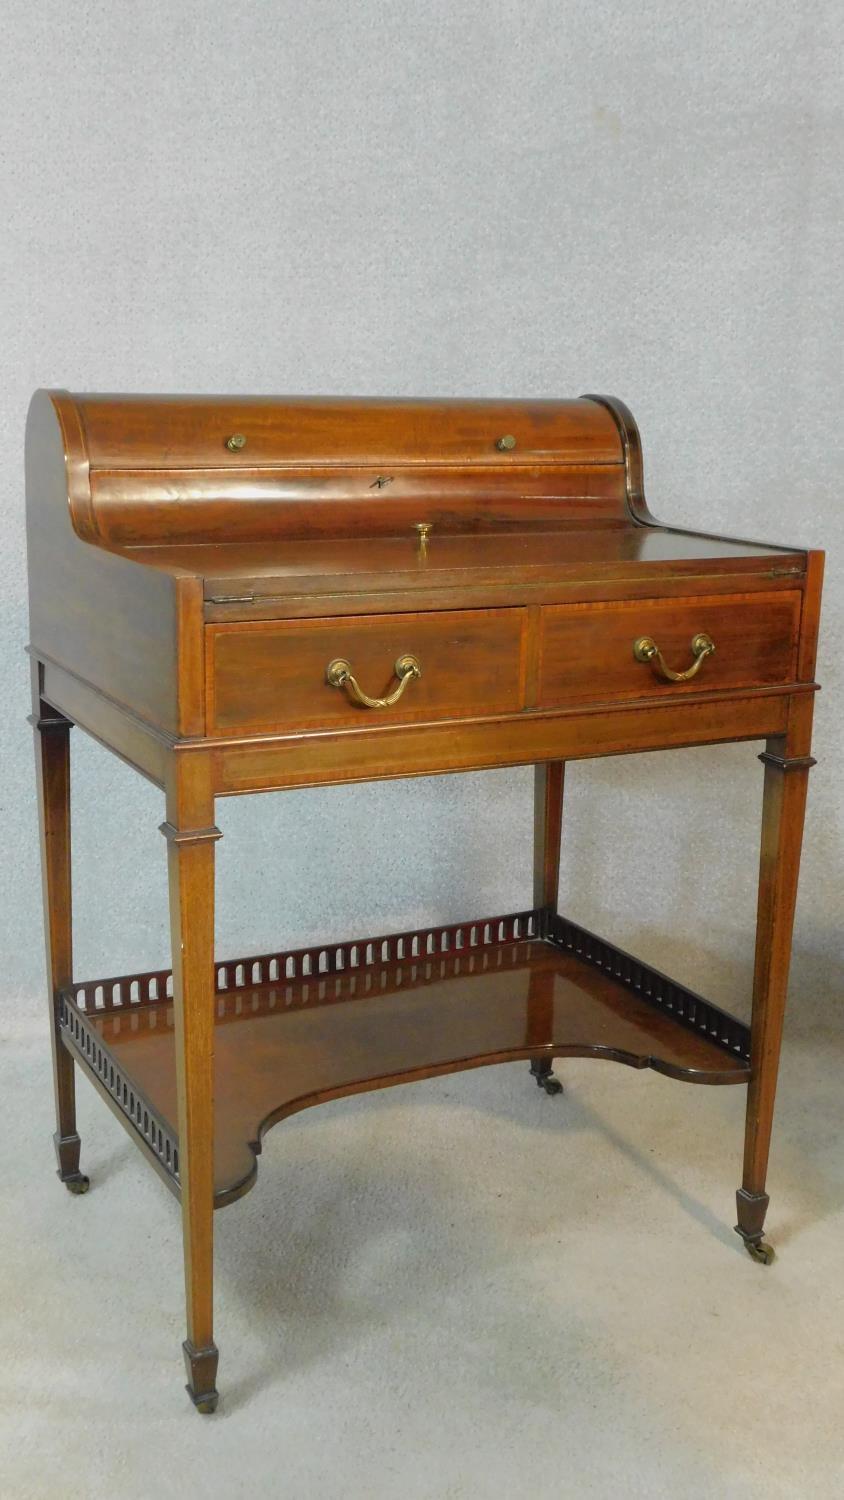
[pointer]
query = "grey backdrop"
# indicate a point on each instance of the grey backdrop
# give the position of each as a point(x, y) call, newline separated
point(441, 198)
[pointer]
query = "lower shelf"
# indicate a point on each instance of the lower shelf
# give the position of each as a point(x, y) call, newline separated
point(294, 1029)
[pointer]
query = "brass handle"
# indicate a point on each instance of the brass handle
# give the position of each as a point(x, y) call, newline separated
point(235, 442)
point(646, 649)
point(339, 674)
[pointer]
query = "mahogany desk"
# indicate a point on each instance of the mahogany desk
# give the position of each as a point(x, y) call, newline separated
point(241, 595)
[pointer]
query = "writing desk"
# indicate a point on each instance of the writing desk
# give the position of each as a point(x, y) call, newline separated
point(241, 595)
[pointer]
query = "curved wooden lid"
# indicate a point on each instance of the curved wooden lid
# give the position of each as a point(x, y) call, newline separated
point(128, 432)
point(153, 469)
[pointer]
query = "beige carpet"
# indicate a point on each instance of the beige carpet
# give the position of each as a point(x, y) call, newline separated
point(457, 1288)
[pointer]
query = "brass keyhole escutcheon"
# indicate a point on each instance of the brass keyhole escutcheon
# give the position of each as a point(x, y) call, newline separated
point(423, 530)
point(506, 443)
point(235, 442)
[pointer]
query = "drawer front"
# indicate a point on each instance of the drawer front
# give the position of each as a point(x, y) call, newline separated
point(587, 650)
point(273, 674)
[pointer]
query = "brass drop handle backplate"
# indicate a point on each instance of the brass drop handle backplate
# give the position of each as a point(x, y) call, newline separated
point(646, 649)
point(339, 674)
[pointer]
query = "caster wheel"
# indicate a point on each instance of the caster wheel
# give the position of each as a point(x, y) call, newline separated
point(541, 1071)
point(207, 1404)
point(78, 1184)
point(760, 1252)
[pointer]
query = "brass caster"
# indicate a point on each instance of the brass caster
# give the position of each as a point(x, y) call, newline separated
point(551, 1085)
point(207, 1404)
point(78, 1184)
point(760, 1251)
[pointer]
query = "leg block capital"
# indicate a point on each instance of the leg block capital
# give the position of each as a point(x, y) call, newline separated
point(787, 763)
point(181, 836)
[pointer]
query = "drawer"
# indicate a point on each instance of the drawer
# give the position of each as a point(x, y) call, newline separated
point(587, 650)
point(274, 674)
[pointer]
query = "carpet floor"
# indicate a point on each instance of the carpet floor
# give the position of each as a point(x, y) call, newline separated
point(461, 1288)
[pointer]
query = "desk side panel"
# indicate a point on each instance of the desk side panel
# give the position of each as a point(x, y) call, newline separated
point(119, 626)
point(810, 616)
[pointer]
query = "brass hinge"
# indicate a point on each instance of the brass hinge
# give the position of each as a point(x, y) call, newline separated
point(231, 599)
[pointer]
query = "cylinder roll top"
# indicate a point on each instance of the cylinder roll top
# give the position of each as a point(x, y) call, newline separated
point(149, 470)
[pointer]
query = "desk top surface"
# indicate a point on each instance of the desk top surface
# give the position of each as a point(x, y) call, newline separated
point(564, 552)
